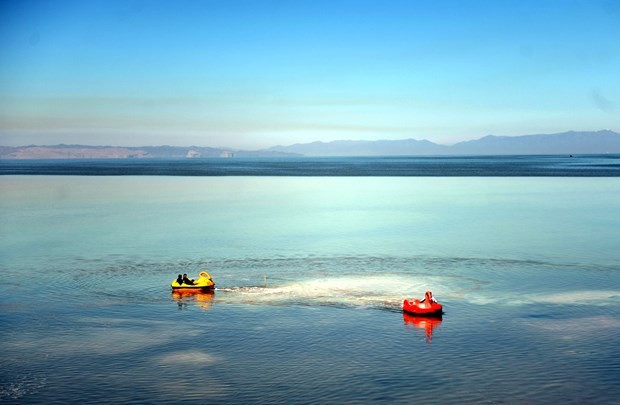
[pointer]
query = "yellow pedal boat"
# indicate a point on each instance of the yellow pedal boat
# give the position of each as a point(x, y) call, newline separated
point(204, 283)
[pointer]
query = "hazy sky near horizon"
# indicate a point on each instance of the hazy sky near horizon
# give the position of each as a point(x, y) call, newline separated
point(251, 74)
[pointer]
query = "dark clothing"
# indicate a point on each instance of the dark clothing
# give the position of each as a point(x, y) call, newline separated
point(180, 280)
point(188, 281)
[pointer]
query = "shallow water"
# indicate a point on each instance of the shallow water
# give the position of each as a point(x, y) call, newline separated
point(310, 274)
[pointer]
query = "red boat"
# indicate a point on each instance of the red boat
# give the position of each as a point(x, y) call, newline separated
point(427, 307)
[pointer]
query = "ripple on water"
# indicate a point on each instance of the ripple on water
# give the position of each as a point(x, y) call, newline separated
point(15, 386)
point(353, 281)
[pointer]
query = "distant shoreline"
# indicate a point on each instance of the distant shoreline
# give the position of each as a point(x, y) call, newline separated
point(565, 143)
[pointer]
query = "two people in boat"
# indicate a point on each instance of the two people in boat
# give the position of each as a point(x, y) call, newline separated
point(184, 280)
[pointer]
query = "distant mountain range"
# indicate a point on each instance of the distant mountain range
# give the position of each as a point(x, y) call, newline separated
point(122, 152)
point(571, 142)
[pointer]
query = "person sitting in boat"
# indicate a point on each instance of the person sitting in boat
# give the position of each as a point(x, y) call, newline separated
point(429, 296)
point(186, 280)
point(180, 280)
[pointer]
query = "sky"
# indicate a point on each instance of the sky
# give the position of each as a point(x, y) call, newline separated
point(257, 73)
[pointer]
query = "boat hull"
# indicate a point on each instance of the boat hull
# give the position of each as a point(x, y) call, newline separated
point(193, 288)
point(419, 308)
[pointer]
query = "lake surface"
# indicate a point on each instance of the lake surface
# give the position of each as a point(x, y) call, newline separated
point(310, 274)
point(505, 166)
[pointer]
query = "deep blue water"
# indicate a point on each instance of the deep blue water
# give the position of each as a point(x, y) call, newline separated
point(504, 166)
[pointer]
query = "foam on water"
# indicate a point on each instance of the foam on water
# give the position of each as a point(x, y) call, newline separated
point(187, 357)
point(589, 297)
point(347, 281)
point(386, 292)
point(582, 297)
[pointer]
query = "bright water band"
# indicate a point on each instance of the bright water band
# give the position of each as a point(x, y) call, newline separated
point(505, 166)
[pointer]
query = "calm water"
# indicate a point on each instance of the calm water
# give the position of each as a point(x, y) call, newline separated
point(310, 274)
point(504, 166)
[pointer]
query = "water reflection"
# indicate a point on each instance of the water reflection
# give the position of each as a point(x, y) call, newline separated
point(184, 298)
point(428, 324)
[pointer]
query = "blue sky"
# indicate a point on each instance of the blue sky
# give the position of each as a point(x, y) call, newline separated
point(251, 74)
